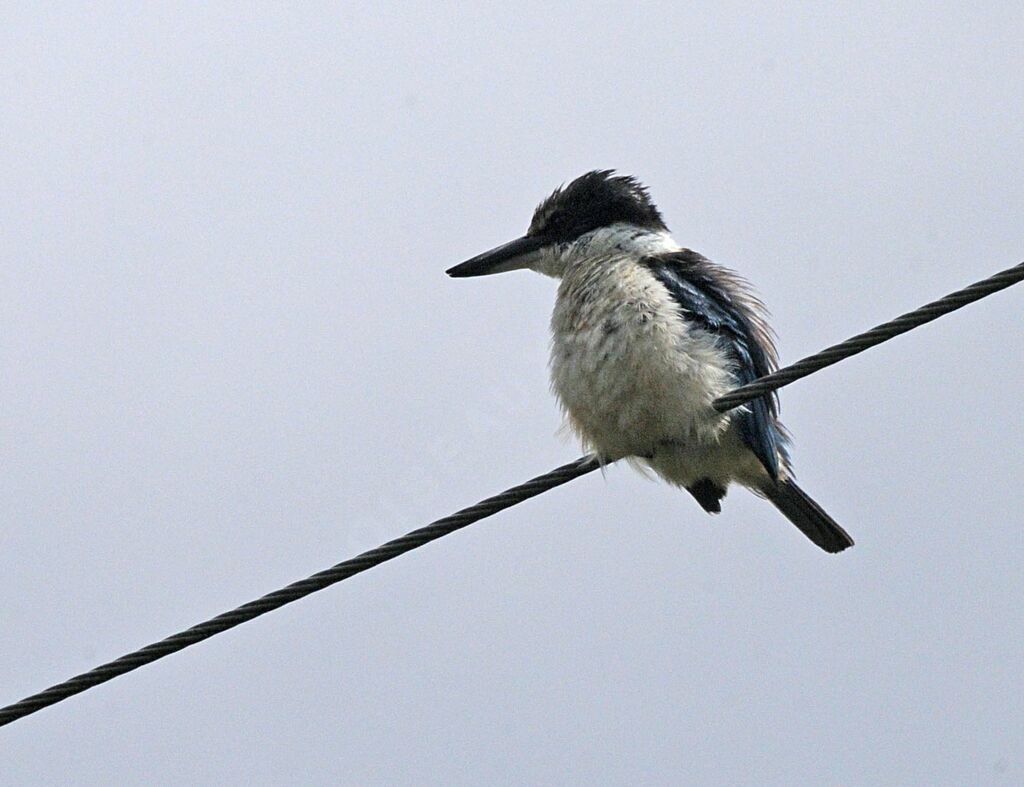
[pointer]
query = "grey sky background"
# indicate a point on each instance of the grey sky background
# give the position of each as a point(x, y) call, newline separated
point(230, 358)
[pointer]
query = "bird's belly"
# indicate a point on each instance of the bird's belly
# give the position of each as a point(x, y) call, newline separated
point(631, 382)
point(724, 460)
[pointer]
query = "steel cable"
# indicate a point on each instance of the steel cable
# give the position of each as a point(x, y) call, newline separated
point(868, 339)
point(488, 507)
point(297, 590)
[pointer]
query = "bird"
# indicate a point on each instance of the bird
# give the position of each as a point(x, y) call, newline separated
point(646, 335)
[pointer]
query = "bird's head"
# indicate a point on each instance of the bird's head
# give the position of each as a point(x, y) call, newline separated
point(599, 206)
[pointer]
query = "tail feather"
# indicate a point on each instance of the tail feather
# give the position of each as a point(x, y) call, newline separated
point(807, 515)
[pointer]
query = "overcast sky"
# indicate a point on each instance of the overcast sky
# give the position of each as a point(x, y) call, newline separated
point(230, 358)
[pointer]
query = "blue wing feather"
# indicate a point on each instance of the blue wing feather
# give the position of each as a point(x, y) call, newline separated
point(704, 298)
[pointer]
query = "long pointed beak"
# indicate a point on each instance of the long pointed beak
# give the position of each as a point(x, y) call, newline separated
point(520, 253)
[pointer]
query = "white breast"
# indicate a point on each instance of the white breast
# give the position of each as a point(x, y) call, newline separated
point(628, 369)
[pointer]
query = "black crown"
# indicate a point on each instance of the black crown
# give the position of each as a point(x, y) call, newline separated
point(598, 199)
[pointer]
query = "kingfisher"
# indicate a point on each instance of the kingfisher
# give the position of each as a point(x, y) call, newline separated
point(646, 335)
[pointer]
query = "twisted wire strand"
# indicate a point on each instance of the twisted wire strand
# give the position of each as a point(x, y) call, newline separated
point(486, 508)
point(300, 589)
point(868, 339)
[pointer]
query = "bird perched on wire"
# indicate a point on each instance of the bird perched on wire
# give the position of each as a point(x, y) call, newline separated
point(646, 335)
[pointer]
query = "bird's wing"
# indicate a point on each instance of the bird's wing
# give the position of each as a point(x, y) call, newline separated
point(721, 303)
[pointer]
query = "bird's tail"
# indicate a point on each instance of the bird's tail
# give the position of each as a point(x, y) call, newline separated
point(807, 515)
